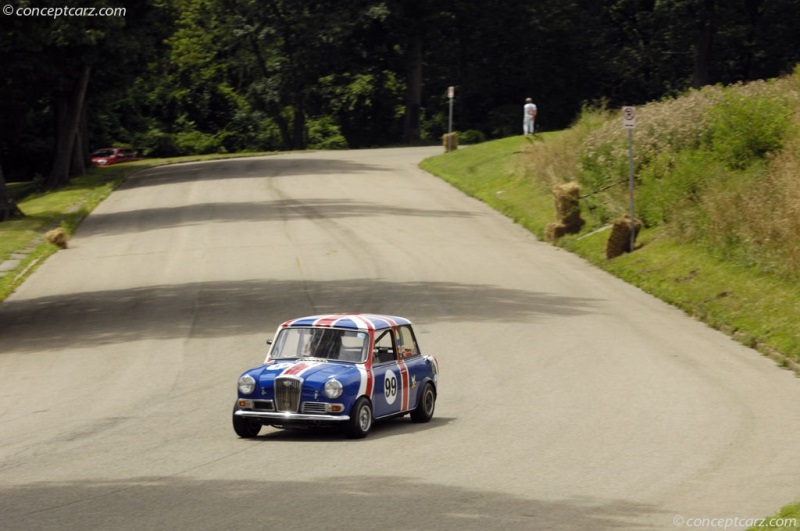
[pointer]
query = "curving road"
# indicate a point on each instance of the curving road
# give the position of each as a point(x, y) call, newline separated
point(568, 400)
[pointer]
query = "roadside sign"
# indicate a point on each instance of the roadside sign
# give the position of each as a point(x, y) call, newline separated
point(629, 117)
point(451, 91)
point(629, 123)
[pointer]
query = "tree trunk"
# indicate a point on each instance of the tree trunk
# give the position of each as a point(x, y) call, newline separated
point(68, 114)
point(755, 11)
point(702, 64)
point(273, 109)
point(283, 126)
point(299, 124)
point(79, 153)
point(8, 207)
point(411, 125)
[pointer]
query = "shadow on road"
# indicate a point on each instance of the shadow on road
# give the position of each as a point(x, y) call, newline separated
point(282, 210)
point(381, 429)
point(272, 166)
point(229, 308)
point(352, 502)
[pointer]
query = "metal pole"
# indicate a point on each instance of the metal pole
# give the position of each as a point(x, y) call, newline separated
point(450, 127)
point(631, 185)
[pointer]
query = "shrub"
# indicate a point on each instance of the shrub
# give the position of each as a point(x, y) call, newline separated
point(673, 183)
point(156, 143)
point(250, 130)
point(195, 142)
point(667, 126)
point(744, 129)
point(753, 216)
point(471, 136)
point(324, 133)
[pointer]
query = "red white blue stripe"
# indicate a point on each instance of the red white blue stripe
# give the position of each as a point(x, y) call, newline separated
point(349, 321)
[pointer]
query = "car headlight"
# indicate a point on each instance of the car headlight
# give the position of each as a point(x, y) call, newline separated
point(333, 388)
point(247, 384)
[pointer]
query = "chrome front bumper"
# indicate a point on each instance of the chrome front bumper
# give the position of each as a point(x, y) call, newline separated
point(289, 417)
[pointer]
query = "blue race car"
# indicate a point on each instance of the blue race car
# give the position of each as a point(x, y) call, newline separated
point(343, 370)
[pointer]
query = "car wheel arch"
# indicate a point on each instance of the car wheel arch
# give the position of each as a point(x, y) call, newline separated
point(424, 410)
point(358, 427)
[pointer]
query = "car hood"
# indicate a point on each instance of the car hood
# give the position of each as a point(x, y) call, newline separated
point(307, 370)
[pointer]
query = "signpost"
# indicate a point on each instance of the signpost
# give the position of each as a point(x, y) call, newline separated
point(451, 92)
point(629, 123)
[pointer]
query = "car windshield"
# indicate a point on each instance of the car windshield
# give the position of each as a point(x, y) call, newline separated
point(324, 343)
point(103, 153)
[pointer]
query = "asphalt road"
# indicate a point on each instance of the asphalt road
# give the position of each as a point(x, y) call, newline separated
point(568, 400)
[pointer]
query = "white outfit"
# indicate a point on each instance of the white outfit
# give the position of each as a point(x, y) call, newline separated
point(529, 118)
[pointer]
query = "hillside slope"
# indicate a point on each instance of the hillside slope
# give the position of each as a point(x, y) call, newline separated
point(716, 188)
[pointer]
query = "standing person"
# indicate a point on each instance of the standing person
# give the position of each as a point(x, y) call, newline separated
point(529, 118)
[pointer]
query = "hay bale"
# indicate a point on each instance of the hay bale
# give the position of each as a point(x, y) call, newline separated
point(619, 241)
point(57, 237)
point(567, 196)
point(450, 142)
point(568, 211)
point(554, 231)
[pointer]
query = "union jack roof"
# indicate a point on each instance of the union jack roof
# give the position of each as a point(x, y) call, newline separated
point(349, 321)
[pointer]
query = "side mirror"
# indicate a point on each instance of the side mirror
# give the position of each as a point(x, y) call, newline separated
point(269, 341)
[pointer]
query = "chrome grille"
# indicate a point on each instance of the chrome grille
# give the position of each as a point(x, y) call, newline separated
point(287, 394)
point(314, 407)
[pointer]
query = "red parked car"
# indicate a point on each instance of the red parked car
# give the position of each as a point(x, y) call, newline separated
point(109, 156)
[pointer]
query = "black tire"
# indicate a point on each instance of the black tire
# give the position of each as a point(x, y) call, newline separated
point(360, 419)
point(427, 403)
point(244, 427)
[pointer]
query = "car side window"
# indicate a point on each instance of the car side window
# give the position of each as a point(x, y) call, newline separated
point(406, 342)
point(383, 351)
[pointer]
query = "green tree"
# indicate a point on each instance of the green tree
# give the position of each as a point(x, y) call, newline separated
point(649, 48)
point(180, 76)
point(55, 57)
point(75, 47)
point(291, 61)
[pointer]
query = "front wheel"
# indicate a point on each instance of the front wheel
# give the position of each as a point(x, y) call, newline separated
point(244, 427)
point(360, 419)
point(427, 403)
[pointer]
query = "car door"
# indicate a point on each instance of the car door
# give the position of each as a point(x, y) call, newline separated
point(416, 366)
point(390, 391)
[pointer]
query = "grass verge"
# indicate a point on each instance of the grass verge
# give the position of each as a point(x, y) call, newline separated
point(495, 173)
point(787, 519)
point(758, 310)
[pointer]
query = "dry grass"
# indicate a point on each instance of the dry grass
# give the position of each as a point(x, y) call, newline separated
point(749, 212)
point(766, 223)
point(676, 124)
point(550, 164)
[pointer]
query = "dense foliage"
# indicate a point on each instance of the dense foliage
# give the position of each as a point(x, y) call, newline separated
point(716, 166)
point(176, 77)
